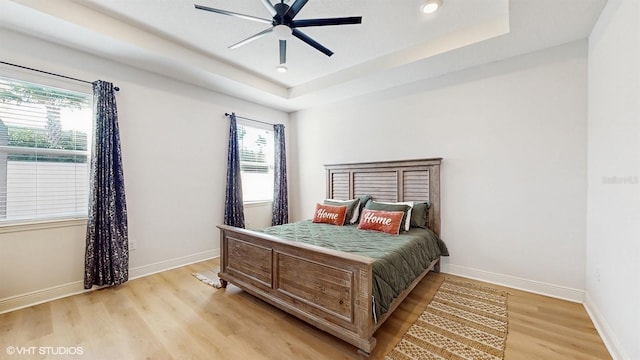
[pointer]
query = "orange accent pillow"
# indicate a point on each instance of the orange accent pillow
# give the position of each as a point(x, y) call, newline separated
point(330, 214)
point(379, 220)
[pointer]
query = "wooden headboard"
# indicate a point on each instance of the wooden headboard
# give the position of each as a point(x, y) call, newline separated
point(389, 181)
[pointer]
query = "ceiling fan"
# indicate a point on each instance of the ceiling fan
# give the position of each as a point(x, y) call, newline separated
point(283, 25)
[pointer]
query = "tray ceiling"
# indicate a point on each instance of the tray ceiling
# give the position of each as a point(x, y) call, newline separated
point(395, 44)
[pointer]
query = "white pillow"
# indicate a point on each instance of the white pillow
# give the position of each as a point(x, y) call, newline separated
point(407, 222)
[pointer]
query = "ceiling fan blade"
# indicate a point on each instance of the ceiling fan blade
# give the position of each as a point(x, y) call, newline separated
point(325, 22)
point(269, 6)
point(302, 36)
point(295, 9)
point(251, 38)
point(224, 12)
point(283, 51)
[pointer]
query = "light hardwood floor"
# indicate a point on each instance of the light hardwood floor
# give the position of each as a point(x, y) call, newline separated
point(171, 315)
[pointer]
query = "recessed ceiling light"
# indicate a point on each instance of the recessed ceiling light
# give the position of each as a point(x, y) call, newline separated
point(282, 68)
point(430, 6)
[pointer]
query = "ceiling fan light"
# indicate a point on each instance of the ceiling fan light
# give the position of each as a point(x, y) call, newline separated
point(431, 6)
point(282, 68)
point(282, 32)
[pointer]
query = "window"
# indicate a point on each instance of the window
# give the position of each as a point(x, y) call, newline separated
point(44, 152)
point(256, 162)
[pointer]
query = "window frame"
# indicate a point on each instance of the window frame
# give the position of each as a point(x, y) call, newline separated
point(270, 162)
point(26, 75)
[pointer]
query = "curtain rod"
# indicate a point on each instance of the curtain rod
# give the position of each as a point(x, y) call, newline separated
point(244, 118)
point(54, 74)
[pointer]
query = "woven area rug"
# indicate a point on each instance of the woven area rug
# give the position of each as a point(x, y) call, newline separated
point(463, 321)
point(209, 277)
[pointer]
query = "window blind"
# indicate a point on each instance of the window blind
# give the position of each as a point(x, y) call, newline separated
point(256, 146)
point(45, 141)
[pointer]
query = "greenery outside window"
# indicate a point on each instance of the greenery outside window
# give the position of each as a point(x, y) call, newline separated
point(44, 152)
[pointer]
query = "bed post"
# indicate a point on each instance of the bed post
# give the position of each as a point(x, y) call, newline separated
point(434, 197)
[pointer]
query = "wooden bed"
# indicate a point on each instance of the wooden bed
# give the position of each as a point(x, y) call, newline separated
point(330, 289)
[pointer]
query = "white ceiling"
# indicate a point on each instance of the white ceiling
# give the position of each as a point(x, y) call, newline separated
point(394, 45)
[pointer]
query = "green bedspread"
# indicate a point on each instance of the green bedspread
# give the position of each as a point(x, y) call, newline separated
point(399, 258)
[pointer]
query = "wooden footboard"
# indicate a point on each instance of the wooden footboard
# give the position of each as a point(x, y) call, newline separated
point(328, 289)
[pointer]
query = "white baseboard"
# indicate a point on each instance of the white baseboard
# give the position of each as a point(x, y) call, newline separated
point(602, 326)
point(149, 269)
point(41, 296)
point(21, 301)
point(537, 287)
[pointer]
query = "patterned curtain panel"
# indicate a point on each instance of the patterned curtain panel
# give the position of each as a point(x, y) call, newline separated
point(280, 197)
point(233, 208)
point(107, 248)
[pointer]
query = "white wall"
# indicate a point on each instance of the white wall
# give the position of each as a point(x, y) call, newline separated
point(166, 127)
point(613, 207)
point(513, 138)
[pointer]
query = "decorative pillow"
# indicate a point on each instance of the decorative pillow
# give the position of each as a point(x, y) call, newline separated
point(364, 199)
point(400, 206)
point(420, 215)
point(330, 214)
point(353, 209)
point(378, 220)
